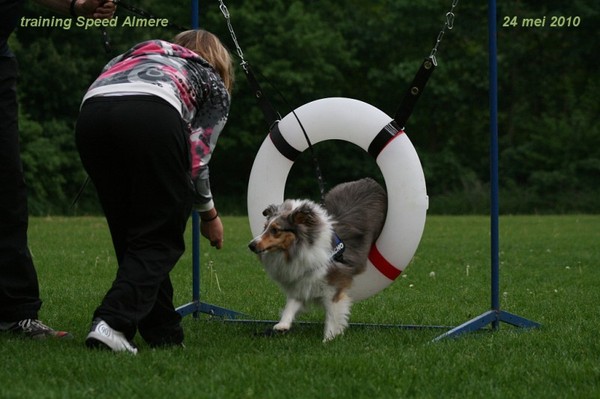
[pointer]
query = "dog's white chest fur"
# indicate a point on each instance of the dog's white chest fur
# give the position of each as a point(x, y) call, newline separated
point(302, 277)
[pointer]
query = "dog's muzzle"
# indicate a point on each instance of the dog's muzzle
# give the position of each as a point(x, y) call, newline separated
point(253, 247)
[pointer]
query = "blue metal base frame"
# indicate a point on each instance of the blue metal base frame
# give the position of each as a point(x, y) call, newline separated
point(196, 307)
point(493, 318)
point(299, 324)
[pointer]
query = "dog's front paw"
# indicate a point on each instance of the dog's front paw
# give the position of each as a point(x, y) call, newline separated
point(282, 327)
point(330, 336)
point(333, 330)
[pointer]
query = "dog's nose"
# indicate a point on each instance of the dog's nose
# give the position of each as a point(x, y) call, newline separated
point(252, 246)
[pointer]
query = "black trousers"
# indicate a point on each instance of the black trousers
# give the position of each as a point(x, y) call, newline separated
point(19, 291)
point(135, 151)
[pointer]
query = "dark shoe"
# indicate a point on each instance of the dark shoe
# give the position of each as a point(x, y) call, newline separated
point(102, 336)
point(33, 328)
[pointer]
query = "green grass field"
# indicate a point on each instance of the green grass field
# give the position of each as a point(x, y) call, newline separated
point(549, 274)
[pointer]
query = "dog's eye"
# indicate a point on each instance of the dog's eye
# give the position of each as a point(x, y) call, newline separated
point(273, 231)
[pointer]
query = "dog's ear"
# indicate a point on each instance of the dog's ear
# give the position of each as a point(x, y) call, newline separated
point(269, 211)
point(304, 214)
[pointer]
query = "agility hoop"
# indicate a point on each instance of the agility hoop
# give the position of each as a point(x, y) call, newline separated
point(375, 132)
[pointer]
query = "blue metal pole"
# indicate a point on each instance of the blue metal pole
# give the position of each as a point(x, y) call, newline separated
point(494, 316)
point(494, 202)
point(195, 256)
point(195, 215)
point(195, 14)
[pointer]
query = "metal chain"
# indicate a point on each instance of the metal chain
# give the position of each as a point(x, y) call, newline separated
point(449, 24)
point(238, 49)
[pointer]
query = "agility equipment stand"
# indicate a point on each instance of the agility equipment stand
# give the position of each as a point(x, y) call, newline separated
point(495, 315)
point(195, 307)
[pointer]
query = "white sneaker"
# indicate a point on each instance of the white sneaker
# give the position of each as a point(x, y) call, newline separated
point(103, 336)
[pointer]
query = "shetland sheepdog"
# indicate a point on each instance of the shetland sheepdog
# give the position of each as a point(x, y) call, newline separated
point(301, 249)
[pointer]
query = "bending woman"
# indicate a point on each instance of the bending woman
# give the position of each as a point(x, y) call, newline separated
point(145, 134)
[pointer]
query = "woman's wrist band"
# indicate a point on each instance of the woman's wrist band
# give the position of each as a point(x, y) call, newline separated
point(210, 219)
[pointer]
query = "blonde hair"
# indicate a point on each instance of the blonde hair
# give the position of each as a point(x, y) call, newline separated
point(209, 47)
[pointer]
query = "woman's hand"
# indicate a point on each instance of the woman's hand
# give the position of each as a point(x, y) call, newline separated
point(211, 227)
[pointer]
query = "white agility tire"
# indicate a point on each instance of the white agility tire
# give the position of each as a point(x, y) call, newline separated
point(372, 130)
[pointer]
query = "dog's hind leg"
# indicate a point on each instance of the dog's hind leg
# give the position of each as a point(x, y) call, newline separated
point(292, 307)
point(337, 313)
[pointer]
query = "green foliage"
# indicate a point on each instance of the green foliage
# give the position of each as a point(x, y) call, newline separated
point(305, 50)
point(47, 167)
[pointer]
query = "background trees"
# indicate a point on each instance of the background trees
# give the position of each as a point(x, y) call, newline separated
point(304, 50)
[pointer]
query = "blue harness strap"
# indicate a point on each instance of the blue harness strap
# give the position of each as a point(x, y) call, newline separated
point(338, 248)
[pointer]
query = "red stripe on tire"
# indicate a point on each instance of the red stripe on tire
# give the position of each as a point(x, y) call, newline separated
point(382, 264)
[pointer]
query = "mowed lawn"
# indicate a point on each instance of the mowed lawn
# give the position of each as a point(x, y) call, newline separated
point(549, 273)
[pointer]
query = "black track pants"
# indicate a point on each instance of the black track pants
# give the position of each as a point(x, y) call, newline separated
point(135, 151)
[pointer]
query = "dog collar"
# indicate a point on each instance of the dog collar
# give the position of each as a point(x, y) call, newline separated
point(338, 248)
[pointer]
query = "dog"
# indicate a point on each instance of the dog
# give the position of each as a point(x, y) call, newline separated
point(313, 252)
